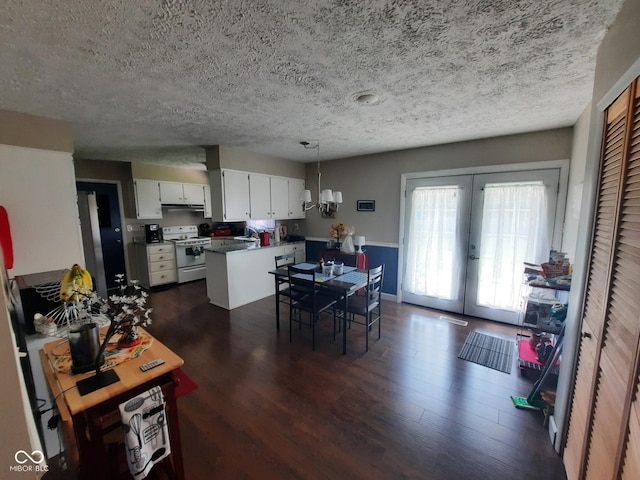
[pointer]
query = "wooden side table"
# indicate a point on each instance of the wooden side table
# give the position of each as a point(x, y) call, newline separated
point(95, 438)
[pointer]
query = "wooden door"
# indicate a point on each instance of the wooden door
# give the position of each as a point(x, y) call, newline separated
point(606, 378)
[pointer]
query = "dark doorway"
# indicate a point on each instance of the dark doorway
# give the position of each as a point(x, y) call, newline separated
point(110, 228)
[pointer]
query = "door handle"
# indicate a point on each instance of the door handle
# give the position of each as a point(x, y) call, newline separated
point(473, 257)
point(586, 335)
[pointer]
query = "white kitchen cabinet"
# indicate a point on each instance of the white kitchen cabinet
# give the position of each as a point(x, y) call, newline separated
point(269, 197)
point(156, 263)
point(174, 193)
point(171, 193)
point(238, 278)
point(207, 202)
point(298, 249)
point(147, 199)
point(229, 195)
point(237, 196)
point(260, 196)
point(295, 189)
point(279, 198)
point(193, 193)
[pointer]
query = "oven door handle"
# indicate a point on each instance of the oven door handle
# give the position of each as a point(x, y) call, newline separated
point(194, 268)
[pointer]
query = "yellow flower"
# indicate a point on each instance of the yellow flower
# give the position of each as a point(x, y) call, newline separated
point(337, 230)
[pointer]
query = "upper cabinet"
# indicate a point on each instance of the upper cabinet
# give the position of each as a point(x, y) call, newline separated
point(150, 195)
point(173, 193)
point(259, 196)
point(230, 195)
point(237, 196)
point(295, 189)
point(147, 199)
point(207, 201)
point(279, 198)
point(269, 197)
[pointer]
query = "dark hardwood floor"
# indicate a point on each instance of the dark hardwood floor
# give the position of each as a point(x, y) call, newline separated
point(409, 408)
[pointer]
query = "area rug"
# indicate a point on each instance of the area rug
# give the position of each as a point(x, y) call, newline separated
point(488, 351)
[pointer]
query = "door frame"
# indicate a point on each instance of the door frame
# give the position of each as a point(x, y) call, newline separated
point(125, 233)
point(561, 204)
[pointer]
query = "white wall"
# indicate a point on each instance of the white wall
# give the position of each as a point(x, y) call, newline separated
point(18, 426)
point(37, 187)
point(576, 183)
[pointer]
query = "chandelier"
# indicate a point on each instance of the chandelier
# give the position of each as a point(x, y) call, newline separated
point(328, 201)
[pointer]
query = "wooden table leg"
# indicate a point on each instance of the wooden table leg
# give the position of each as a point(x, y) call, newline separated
point(174, 433)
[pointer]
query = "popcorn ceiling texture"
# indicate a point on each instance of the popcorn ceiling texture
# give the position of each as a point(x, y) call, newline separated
point(144, 79)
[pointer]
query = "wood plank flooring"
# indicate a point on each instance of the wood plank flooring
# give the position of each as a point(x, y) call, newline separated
point(409, 408)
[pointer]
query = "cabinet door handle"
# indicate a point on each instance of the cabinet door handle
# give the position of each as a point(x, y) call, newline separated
point(586, 335)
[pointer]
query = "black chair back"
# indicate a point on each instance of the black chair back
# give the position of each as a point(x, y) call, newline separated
point(308, 298)
point(302, 285)
point(286, 259)
point(374, 283)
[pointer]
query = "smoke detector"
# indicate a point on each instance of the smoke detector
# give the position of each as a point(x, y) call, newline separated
point(368, 97)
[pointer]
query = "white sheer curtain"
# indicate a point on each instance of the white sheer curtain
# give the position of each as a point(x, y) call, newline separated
point(514, 230)
point(431, 259)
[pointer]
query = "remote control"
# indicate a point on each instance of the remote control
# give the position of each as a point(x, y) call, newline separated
point(149, 365)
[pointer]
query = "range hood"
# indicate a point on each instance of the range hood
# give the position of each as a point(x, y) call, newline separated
point(171, 207)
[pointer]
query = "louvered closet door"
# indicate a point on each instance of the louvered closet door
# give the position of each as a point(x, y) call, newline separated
point(595, 422)
point(631, 212)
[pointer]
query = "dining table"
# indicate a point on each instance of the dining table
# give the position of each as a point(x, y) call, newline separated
point(342, 286)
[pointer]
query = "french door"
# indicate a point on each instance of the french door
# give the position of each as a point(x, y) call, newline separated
point(466, 238)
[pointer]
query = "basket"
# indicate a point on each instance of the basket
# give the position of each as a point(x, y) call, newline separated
point(555, 269)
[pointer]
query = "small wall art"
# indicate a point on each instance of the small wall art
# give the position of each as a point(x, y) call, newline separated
point(366, 205)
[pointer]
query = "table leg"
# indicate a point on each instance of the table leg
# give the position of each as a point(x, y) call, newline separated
point(277, 304)
point(344, 323)
point(174, 432)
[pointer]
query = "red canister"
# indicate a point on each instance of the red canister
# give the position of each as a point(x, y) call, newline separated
point(264, 239)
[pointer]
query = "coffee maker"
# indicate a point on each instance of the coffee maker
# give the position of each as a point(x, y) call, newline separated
point(153, 233)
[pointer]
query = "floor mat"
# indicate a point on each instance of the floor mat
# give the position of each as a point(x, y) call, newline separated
point(492, 352)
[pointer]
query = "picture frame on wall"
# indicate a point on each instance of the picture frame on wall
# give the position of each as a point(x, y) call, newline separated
point(366, 205)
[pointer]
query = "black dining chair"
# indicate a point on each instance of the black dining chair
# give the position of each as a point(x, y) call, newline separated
point(283, 289)
point(307, 296)
point(367, 305)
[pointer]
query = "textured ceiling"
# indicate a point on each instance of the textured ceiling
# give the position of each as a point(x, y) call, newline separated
point(143, 79)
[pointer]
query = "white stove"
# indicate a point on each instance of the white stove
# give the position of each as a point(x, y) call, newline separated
point(189, 251)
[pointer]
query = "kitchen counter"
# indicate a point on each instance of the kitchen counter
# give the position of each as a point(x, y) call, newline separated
point(238, 275)
point(245, 246)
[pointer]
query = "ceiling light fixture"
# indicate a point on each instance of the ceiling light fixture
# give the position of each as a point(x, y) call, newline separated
point(328, 201)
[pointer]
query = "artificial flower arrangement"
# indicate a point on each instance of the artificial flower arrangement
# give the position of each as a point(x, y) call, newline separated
point(82, 312)
point(339, 231)
point(128, 312)
point(81, 304)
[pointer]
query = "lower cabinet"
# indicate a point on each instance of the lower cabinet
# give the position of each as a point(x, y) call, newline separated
point(240, 277)
point(298, 249)
point(156, 264)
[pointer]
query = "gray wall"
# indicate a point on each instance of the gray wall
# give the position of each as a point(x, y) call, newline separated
point(377, 177)
point(234, 159)
point(617, 64)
